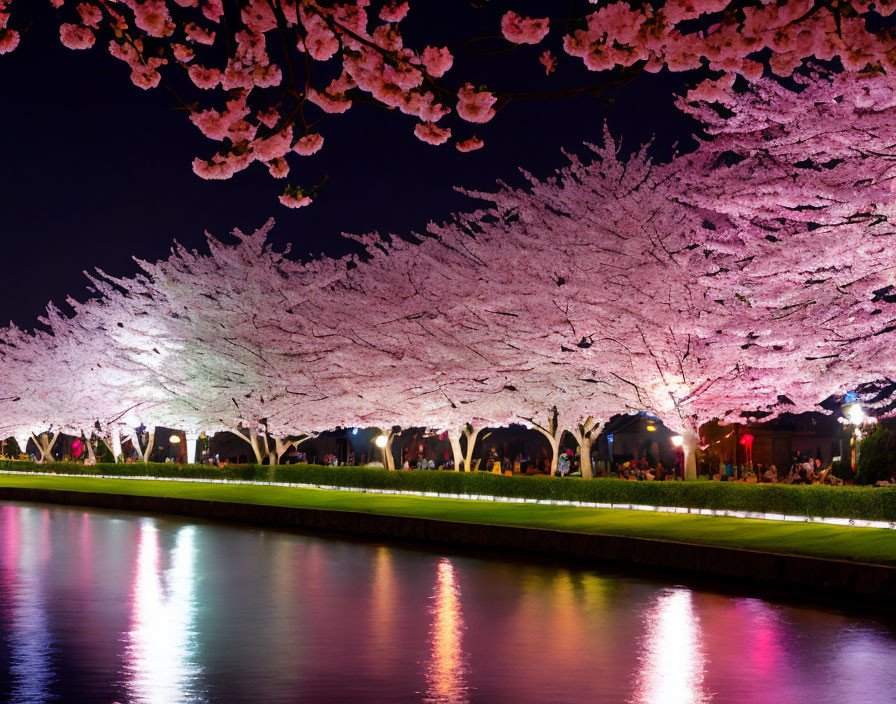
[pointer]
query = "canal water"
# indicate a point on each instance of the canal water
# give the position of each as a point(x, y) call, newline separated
point(97, 606)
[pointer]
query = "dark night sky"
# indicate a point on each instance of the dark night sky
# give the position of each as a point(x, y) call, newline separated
point(96, 171)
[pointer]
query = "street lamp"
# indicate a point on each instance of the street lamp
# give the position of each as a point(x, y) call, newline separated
point(854, 413)
point(381, 441)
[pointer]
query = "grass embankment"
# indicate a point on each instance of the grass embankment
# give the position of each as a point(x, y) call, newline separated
point(863, 502)
point(834, 542)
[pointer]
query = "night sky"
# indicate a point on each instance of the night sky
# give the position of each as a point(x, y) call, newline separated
point(96, 170)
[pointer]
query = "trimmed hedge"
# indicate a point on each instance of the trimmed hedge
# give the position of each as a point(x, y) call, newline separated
point(817, 501)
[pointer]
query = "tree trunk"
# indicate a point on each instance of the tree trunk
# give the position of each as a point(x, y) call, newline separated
point(586, 433)
point(553, 433)
point(454, 440)
point(463, 457)
point(388, 457)
point(114, 443)
point(251, 437)
point(585, 457)
point(150, 442)
point(192, 439)
point(471, 434)
point(91, 455)
point(45, 444)
point(689, 446)
point(135, 443)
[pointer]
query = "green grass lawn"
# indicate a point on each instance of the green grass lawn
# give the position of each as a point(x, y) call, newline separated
point(858, 544)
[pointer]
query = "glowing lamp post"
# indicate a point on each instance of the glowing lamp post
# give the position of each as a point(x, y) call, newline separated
point(688, 445)
point(855, 415)
point(382, 442)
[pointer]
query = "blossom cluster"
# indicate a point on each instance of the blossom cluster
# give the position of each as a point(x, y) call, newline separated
point(261, 76)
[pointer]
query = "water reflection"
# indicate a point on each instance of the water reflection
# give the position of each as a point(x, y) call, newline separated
point(446, 671)
point(29, 637)
point(129, 609)
point(672, 663)
point(160, 658)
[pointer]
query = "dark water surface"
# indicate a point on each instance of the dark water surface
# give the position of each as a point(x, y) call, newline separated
point(107, 607)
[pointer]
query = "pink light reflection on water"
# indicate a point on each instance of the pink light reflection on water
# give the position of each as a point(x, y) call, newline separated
point(672, 661)
point(159, 654)
point(446, 671)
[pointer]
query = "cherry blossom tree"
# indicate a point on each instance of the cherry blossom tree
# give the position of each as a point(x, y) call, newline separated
point(755, 273)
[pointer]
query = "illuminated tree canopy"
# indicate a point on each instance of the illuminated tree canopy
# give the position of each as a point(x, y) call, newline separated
point(754, 273)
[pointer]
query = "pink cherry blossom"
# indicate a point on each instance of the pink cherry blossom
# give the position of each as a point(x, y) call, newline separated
point(295, 201)
point(327, 103)
point(199, 34)
point(152, 17)
point(75, 36)
point(469, 145)
point(549, 61)
point(431, 134)
point(275, 146)
point(475, 105)
point(524, 30)
point(437, 60)
point(183, 53)
point(308, 145)
point(373, 60)
point(278, 168)
point(394, 11)
point(9, 40)
point(205, 78)
point(91, 15)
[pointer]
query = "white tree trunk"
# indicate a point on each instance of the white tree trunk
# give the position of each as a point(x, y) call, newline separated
point(554, 442)
point(45, 442)
point(689, 446)
point(471, 434)
point(135, 443)
point(114, 443)
point(454, 439)
point(150, 442)
point(192, 439)
point(388, 457)
point(463, 457)
point(585, 457)
point(251, 437)
point(553, 433)
point(91, 454)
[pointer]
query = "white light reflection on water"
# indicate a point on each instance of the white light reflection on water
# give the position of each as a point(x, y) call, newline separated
point(29, 637)
point(672, 663)
point(160, 652)
point(447, 669)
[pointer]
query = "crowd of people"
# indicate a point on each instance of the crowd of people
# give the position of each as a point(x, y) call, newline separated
point(802, 470)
